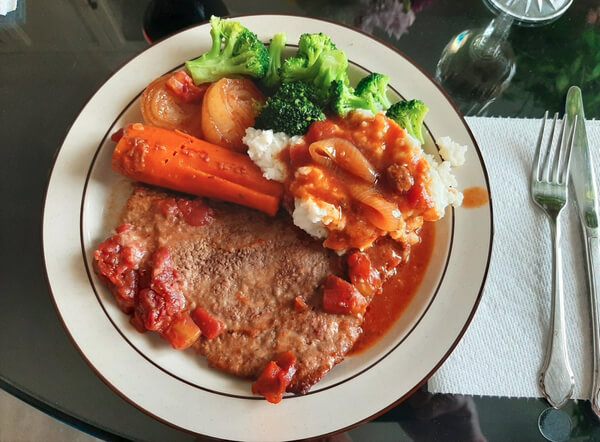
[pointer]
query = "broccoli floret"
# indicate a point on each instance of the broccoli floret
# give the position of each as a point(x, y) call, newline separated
point(344, 99)
point(235, 50)
point(310, 46)
point(318, 61)
point(291, 109)
point(370, 94)
point(276, 47)
point(292, 68)
point(410, 116)
point(375, 86)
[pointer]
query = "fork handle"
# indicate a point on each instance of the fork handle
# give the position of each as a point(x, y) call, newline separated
point(556, 379)
point(592, 248)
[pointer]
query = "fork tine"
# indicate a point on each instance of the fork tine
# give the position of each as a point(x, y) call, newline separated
point(535, 173)
point(565, 172)
point(559, 151)
point(548, 152)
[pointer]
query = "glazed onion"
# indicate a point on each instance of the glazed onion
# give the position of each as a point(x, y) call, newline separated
point(161, 108)
point(342, 153)
point(230, 106)
point(380, 212)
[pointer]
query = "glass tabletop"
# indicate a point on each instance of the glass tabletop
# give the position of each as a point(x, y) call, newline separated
point(55, 55)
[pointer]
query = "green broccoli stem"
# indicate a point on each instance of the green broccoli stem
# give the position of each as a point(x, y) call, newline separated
point(384, 100)
point(354, 102)
point(276, 49)
point(215, 48)
point(275, 53)
point(235, 65)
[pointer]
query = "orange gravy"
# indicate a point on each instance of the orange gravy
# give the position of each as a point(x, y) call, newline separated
point(398, 291)
point(475, 197)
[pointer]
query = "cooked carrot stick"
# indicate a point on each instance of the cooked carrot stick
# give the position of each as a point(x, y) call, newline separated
point(178, 161)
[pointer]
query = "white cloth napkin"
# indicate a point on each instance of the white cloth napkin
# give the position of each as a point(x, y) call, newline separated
point(502, 351)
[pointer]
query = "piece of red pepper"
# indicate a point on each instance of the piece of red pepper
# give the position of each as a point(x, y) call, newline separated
point(183, 87)
point(210, 326)
point(276, 377)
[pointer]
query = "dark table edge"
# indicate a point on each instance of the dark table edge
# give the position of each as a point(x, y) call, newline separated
point(54, 411)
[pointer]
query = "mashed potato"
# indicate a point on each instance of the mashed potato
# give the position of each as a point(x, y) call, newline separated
point(318, 217)
point(452, 151)
point(312, 216)
point(443, 186)
point(443, 183)
point(263, 148)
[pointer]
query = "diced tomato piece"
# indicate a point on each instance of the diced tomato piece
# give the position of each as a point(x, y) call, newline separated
point(116, 137)
point(276, 377)
point(321, 130)
point(300, 304)
point(117, 260)
point(268, 384)
point(287, 361)
point(124, 228)
point(182, 332)
point(342, 298)
point(195, 212)
point(418, 197)
point(210, 326)
point(145, 277)
point(183, 87)
point(386, 256)
point(363, 275)
point(150, 310)
point(299, 155)
point(139, 326)
point(167, 207)
point(163, 300)
point(359, 266)
point(166, 281)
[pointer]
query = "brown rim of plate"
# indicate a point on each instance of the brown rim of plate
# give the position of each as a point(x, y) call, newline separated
point(456, 341)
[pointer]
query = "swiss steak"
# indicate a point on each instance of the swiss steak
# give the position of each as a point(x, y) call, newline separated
point(260, 277)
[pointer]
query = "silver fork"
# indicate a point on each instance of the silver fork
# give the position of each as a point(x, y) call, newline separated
point(549, 191)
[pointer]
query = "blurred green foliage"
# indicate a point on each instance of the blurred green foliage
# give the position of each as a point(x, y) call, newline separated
point(550, 59)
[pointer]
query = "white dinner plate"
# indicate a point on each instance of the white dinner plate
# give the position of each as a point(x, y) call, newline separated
point(83, 201)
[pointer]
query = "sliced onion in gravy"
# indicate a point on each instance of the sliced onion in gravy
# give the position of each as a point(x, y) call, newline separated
point(338, 152)
point(380, 212)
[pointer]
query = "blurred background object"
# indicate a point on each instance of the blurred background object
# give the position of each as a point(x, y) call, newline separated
point(12, 18)
point(554, 57)
point(7, 6)
point(477, 65)
point(165, 17)
point(530, 12)
point(394, 17)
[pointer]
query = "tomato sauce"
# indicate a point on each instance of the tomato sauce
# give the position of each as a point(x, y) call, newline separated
point(371, 178)
point(374, 184)
point(387, 307)
point(474, 197)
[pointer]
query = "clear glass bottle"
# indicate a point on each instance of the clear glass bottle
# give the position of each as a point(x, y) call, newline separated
point(477, 65)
